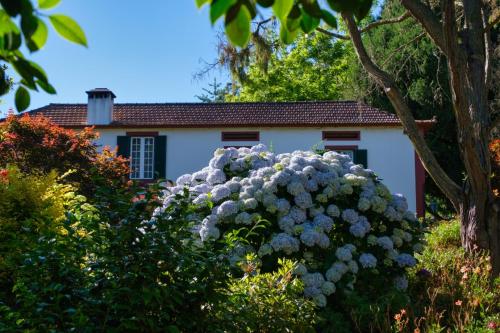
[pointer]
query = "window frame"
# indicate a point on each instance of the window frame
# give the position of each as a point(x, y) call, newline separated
point(341, 149)
point(252, 136)
point(341, 135)
point(142, 173)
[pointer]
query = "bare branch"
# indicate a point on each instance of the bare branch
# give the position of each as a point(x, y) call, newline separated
point(368, 27)
point(384, 22)
point(417, 38)
point(430, 22)
point(332, 34)
point(445, 183)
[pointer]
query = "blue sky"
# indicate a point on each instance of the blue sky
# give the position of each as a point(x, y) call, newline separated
point(145, 51)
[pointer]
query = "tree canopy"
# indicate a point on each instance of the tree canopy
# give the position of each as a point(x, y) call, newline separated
point(462, 32)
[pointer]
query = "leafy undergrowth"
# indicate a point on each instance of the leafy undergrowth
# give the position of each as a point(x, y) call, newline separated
point(450, 289)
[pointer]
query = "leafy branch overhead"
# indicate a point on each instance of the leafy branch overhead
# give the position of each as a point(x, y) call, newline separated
point(294, 16)
point(23, 23)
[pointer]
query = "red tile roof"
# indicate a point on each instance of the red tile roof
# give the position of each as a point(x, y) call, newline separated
point(265, 114)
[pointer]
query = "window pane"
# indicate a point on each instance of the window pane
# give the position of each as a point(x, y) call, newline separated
point(135, 158)
point(148, 158)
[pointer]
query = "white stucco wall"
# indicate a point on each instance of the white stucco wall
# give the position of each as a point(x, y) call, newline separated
point(390, 153)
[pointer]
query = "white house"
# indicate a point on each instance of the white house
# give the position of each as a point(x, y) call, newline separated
point(169, 139)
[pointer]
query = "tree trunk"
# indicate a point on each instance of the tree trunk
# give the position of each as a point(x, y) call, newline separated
point(480, 222)
point(468, 64)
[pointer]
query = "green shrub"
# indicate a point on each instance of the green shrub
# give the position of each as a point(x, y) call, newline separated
point(450, 289)
point(268, 302)
point(30, 205)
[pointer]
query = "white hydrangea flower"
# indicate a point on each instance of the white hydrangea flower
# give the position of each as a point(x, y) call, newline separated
point(368, 260)
point(333, 211)
point(353, 266)
point(287, 224)
point(286, 243)
point(215, 177)
point(336, 271)
point(300, 269)
point(350, 216)
point(378, 204)
point(297, 214)
point(317, 210)
point(328, 288)
point(323, 222)
point(313, 280)
point(320, 300)
point(310, 292)
point(220, 192)
point(264, 250)
point(401, 283)
point(303, 200)
point(406, 260)
point(243, 218)
point(343, 254)
point(201, 200)
point(286, 189)
point(184, 180)
point(295, 188)
point(385, 242)
point(364, 204)
point(283, 205)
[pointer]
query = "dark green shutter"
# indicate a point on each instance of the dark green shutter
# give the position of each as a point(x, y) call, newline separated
point(123, 143)
point(360, 156)
point(160, 156)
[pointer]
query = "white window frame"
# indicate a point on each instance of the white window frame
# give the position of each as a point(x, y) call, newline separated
point(142, 157)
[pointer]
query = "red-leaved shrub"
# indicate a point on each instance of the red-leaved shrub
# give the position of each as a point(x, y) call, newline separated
point(35, 143)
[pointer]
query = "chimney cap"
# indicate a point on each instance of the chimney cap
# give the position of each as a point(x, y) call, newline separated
point(100, 92)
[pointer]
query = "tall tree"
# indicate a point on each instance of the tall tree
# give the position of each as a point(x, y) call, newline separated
point(215, 93)
point(420, 72)
point(461, 30)
point(313, 68)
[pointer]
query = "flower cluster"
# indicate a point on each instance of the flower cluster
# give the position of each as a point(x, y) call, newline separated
point(323, 211)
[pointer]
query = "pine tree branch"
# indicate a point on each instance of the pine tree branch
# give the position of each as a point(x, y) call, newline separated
point(332, 34)
point(445, 183)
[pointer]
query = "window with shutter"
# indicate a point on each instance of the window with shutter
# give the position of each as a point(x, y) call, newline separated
point(160, 156)
point(361, 157)
point(142, 157)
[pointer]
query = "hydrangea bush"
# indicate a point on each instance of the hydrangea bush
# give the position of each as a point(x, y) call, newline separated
point(335, 218)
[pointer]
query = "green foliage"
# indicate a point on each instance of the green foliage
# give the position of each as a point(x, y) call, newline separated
point(313, 68)
point(30, 203)
point(294, 16)
point(269, 302)
point(22, 24)
point(450, 289)
point(68, 28)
